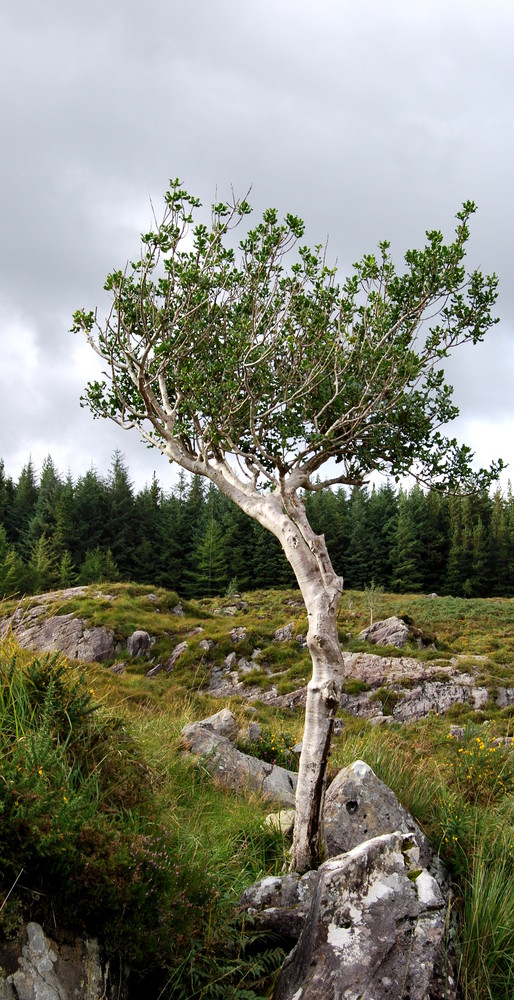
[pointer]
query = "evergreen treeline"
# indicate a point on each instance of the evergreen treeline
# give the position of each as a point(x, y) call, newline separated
point(55, 532)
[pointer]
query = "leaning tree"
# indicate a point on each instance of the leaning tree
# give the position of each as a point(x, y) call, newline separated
point(246, 361)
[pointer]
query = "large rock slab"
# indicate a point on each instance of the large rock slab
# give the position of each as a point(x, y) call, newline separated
point(71, 636)
point(375, 930)
point(235, 769)
point(438, 697)
point(378, 670)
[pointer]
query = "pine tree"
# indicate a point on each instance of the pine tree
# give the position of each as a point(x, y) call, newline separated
point(98, 566)
point(7, 493)
point(148, 552)
point(499, 547)
point(12, 571)
point(122, 530)
point(90, 511)
point(43, 565)
point(359, 554)
point(67, 573)
point(23, 507)
point(44, 520)
point(407, 553)
point(435, 541)
point(237, 545)
point(210, 575)
point(383, 522)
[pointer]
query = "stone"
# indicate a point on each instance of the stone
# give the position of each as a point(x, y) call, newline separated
point(237, 634)
point(280, 904)
point(358, 807)
point(378, 670)
point(503, 741)
point(139, 643)
point(390, 632)
point(362, 704)
point(234, 769)
point(284, 634)
point(438, 697)
point(154, 670)
point(181, 648)
point(293, 699)
point(178, 610)
point(205, 645)
point(282, 821)
point(224, 723)
point(504, 697)
point(375, 929)
point(118, 668)
point(49, 972)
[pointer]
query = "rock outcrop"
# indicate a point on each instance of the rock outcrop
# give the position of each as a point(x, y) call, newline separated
point(359, 807)
point(233, 768)
point(47, 971)
point(66, 634)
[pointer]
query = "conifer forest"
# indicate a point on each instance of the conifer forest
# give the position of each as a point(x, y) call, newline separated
point(55, 532)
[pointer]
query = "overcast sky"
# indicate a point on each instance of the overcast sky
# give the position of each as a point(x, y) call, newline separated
point(370, 120)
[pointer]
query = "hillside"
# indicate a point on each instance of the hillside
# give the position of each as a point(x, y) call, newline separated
point(140, 821)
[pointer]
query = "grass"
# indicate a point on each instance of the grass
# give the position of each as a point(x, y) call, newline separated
point(110, 809)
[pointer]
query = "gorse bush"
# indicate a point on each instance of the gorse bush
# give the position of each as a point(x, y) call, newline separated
point(483, 770)
point(82, 817)
point(275, 746)
point(77, 813)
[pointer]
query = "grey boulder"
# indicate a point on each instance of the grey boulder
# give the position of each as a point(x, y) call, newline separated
point(359, 807)
point(139, 643)
point(389, 632)
point(375, 930)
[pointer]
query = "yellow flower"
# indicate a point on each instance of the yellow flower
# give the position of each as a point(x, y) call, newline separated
point(40, 770)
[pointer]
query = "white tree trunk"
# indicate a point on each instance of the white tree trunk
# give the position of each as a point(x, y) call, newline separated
point(321, 598)
point(284, 515)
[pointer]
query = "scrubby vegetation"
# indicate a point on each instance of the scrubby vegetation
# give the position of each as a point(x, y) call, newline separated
point(107, 824)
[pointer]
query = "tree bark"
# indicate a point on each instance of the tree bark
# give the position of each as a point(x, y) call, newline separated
point(321, 590)
point(323, 695)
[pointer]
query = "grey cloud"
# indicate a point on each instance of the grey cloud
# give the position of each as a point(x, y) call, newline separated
point(371, 121)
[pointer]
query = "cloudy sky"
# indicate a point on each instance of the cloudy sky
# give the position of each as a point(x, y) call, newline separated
point(370, 120)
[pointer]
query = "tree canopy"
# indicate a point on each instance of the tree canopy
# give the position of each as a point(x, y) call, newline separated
point(254, 349)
